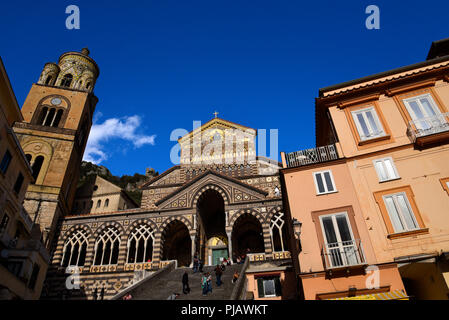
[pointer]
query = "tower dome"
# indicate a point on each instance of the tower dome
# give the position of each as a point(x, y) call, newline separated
point(74, 70)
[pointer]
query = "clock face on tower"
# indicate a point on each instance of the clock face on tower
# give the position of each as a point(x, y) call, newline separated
point(56, 101)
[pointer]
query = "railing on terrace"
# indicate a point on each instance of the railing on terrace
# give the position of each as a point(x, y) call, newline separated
point(344, 254)
point(427, 126)
point(313, 155)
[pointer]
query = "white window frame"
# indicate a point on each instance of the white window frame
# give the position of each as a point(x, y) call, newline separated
point(363, 111)
point(334, 222)
point(423, 110)
point(400, 213)
point(382, 161)
point(360, 255)
point(324, 182)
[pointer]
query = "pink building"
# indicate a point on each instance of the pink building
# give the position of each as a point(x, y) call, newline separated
point(374, 194)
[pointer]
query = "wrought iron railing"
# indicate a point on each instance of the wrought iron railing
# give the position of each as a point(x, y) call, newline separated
point(427, 126)
point(309, 156)
point(344, 254)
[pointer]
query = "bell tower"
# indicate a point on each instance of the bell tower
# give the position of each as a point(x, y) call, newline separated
point(57, 120)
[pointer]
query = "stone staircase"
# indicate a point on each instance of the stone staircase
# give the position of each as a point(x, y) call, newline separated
point(170, 282)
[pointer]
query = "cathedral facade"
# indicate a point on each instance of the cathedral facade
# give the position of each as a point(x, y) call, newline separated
point(220, 202)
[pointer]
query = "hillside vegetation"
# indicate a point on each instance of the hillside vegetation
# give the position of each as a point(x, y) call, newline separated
point(128, 183)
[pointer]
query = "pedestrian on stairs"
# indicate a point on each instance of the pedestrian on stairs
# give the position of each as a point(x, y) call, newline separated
point(209, 282)
point(200, 264)
point(195, 264)
point(204, 285)
point(218, 273)
point(185, 283)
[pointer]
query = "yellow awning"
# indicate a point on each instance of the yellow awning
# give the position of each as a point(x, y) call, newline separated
point(393, 295)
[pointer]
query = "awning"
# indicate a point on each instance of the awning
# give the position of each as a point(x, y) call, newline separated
point(393, 295)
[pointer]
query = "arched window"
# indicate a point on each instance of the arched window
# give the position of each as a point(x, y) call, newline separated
point(75, 248)
point(278, 232)
point(48, 80)
point(49, 117)
point(140, 244)
point(106, 203)
point(37, 165)
point(107, 246)
point(43, 116)
point(28, 157)
point(83, 131)
point(98, 203)
point(88, 85)
point(67, 80)
point(57, 118)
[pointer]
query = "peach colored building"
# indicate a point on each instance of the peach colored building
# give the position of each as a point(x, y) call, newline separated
point(23, 258)
point(390, 132)
point(335, 249)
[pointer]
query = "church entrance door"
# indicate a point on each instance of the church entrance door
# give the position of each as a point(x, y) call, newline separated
point(218, 255)
point(213, 241)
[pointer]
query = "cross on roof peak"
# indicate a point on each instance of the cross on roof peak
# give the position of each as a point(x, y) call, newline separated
point(215, 114)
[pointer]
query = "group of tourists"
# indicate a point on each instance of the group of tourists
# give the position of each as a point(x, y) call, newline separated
point(206, 279)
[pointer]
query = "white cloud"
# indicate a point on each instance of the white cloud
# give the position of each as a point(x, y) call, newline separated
point(114, 128)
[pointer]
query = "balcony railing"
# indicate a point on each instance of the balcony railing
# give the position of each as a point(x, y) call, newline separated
point(343, 254)
point(309, 156)
point(428, 126)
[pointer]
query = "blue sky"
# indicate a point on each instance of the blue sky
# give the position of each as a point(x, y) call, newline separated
point(166, 63)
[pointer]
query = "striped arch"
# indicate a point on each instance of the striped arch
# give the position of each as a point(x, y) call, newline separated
point(58, 253)
point(220, 190)
point(75, 228)
point(239, 213)
point(101, 228)
point(272, 212)
point(169, 220)
point(136, 223)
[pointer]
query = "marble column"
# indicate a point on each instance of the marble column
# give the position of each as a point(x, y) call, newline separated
point(192, 237)
point(230, 244)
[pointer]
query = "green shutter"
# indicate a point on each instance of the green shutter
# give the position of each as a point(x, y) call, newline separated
point(278, 287)
point(260, 287)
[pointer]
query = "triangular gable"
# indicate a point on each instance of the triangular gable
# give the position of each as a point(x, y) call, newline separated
point(157, 178)
point(217, 123)
point(232, 190)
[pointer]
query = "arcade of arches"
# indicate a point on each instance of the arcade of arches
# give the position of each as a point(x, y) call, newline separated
point(221, 212)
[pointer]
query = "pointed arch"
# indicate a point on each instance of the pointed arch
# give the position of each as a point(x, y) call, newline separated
point(169, 220)
point(140, 244)
point(224, 194)
point(75, 249)
point(240, 212)
point(107, 246)
point(176, 243)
